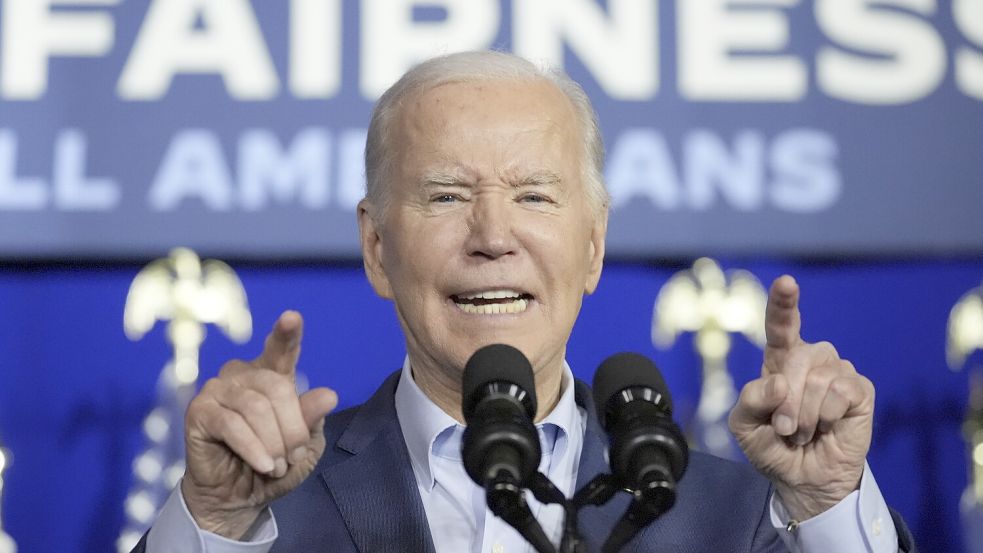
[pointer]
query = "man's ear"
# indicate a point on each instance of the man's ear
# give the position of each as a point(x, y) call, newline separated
point(598, 234)
point(371, 239)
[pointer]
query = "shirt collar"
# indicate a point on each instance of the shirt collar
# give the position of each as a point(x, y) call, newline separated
point(422, 422)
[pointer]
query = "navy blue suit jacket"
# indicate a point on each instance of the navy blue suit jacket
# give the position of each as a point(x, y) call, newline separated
point(362, 497)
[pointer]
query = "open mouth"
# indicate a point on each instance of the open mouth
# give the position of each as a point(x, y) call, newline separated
point(492, 302)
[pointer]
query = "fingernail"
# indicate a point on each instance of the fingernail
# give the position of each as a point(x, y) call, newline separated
point(801, 439)
point(266, 465)
point(298, 455)
point(784, 425)
point(281, 467)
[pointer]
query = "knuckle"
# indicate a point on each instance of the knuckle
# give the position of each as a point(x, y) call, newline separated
point(802, 356)
point(817, 381)
point(827, 414)
point(773, 325)
point(747, 393)
point(843, 387)
point(223, 424)
point(254, 403)
point(210, 417)
point(867, 386)
point(826, 348)
point(197, 412)
point(233, 366)
point(279, 387)
point(211, 387)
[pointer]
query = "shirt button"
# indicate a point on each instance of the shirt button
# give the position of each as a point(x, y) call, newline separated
point(877, 526)
point(498, 548)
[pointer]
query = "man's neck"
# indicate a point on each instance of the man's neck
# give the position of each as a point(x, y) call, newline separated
point(445, 390)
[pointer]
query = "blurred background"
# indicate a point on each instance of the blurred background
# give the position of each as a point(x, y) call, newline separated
point(841, 142)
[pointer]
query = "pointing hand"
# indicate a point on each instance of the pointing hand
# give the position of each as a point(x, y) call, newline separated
point(806, 422)
point(249, 437)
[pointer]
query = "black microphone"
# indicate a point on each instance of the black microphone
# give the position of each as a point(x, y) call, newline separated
point(648, 452)
point(500, 446)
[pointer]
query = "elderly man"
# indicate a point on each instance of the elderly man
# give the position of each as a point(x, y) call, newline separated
point(484, 222)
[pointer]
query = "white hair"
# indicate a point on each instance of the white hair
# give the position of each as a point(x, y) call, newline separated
point(470, 67)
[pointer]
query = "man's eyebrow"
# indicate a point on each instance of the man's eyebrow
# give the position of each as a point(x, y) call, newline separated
point(541, 178)
point(442, 178)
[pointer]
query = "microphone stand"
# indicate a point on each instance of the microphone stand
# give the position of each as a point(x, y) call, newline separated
point(505, 500)
point(649, 503)
point(597, 492)
point(546, 492)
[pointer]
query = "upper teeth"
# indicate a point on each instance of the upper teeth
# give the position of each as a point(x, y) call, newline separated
point(514, 306)
point(510, 301)
point(491, 295)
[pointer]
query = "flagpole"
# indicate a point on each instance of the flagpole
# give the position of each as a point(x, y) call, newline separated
point(188, 293)
point(964, 335)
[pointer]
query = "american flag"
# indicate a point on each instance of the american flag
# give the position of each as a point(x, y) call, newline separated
point(160, 465)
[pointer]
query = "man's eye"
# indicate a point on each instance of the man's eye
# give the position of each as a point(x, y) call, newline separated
point(534, 198)
point(444, 198)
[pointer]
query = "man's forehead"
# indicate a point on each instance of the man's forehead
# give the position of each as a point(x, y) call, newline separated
point(513, 131)
point(459, 98)
point(468, 109)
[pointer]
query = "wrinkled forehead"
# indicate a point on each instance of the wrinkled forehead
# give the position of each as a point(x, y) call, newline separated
point(518, 119)
point(515, 96)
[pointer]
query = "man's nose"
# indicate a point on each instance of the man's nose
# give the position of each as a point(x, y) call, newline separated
point(490, 233)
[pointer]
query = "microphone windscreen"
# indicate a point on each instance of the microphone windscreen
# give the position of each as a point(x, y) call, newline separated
point(496, 363)
point(626, 370)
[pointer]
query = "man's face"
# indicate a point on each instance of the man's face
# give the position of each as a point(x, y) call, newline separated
point(487, 236)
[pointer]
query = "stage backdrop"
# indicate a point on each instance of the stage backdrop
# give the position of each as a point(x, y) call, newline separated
point(237, 127)
point(74, 390)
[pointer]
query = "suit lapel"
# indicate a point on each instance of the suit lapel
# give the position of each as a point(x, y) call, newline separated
point(375, 489)
point(595, 522)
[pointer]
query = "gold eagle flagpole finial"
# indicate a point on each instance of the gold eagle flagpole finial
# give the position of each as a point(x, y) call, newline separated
point(188, 294)
point(964, 333)
point(705, 301)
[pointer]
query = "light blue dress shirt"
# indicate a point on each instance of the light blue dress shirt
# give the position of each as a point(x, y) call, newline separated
point(456, 512)
point(459, 520)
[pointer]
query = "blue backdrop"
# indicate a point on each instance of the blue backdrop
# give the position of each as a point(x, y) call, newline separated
point(850, 131)
point(73, 389)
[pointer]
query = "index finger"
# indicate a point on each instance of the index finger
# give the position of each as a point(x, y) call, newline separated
point(282, 347)
point(783, 321)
